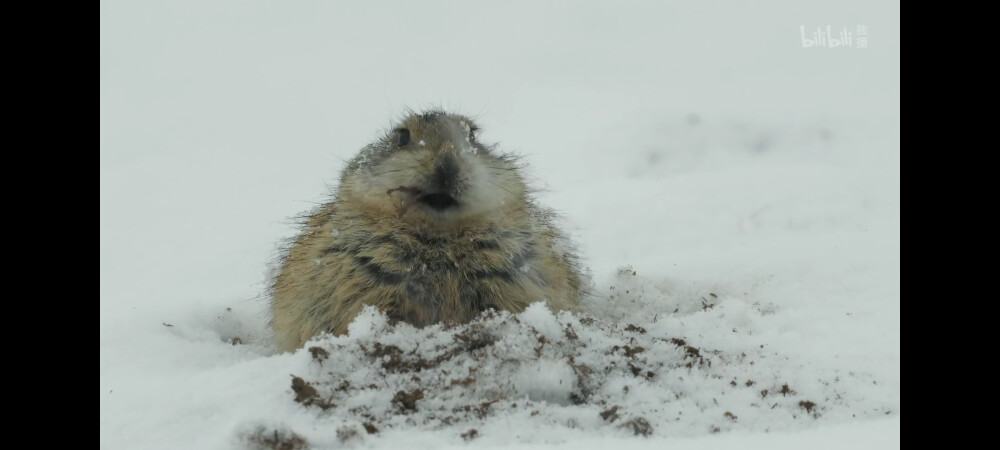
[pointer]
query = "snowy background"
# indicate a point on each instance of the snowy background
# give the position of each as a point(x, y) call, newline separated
point(736, 197)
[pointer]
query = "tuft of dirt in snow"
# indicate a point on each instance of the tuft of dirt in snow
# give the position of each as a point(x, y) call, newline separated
point(263, 438)
point(571, 372)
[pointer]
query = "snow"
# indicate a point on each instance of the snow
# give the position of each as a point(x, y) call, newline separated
point(734, 196)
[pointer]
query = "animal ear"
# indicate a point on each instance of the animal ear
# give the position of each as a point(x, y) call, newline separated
point(403, 136)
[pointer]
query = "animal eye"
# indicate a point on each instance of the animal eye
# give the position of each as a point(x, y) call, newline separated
point(472, 132)
point(404, 136)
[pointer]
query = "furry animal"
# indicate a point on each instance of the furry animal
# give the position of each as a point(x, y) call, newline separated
point(429, 225)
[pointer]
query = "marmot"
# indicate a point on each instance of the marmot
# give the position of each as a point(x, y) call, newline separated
point(429, 225)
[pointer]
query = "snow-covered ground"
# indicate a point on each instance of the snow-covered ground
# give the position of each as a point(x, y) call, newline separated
point(735, 196)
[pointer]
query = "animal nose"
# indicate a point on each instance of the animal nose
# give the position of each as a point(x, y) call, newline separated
point(445, 176)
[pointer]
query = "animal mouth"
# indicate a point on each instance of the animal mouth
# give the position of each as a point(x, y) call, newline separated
point(437, 201)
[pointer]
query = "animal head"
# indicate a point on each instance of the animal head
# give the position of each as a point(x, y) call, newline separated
point(432, 170)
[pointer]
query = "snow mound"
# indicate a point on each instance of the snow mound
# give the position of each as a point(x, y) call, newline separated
point(543, 377)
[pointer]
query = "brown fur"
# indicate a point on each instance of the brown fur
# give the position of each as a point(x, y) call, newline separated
point(377, 244)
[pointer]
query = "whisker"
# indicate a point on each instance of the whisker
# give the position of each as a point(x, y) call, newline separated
point(501, 187)
point(387, 172)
